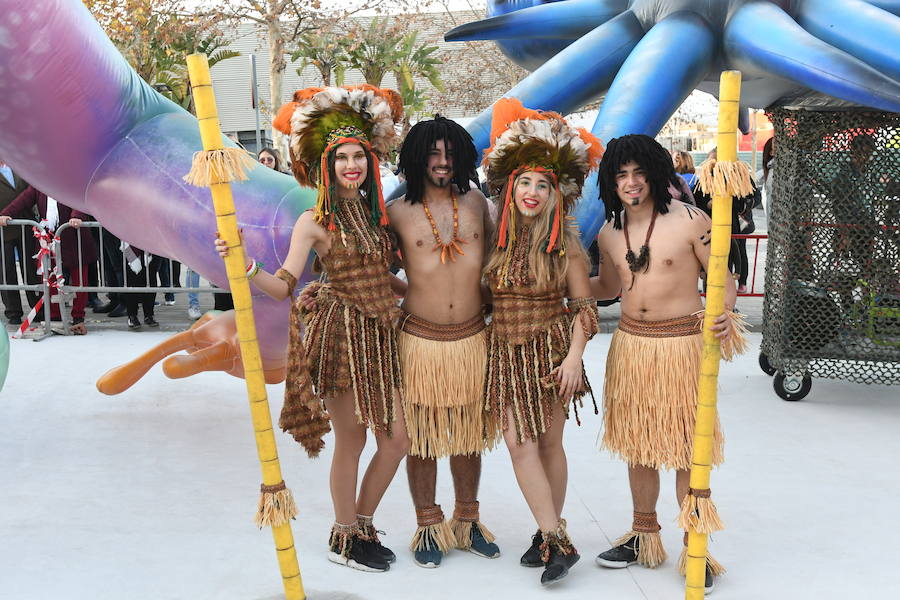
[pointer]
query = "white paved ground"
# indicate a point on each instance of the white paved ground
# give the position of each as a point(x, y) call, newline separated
point(150, 495)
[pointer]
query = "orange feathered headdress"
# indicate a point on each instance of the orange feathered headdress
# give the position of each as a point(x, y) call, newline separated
point(522, 140)
point(320, 119)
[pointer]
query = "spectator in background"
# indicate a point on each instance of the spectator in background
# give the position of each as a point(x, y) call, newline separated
point(74, 263)
point(684, 166)
point(11, 185)
point(139, 273)
point(765, 176)
point(270, 157)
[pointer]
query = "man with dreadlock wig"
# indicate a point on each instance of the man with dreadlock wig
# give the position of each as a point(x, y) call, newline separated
point(652, 250)
point(536, 167)
point(442, 224)
point(347, 356)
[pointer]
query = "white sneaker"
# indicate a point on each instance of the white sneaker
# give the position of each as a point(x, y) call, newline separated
point(194, 313)
point(170, 303)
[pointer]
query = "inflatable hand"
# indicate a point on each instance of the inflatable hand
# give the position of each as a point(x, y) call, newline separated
point(212, 345)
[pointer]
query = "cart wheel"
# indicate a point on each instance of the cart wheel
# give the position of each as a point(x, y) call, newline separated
point(793, 387)
point(765, 365)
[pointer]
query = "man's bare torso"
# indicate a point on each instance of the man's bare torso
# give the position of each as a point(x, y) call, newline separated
point(669, 287)
point(449, 292)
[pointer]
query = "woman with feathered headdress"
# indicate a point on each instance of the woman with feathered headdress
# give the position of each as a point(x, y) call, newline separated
point(536, 166)
point(347, 357)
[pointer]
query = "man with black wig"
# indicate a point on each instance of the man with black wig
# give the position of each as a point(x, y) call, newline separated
point(443, 225)
point(652, 250)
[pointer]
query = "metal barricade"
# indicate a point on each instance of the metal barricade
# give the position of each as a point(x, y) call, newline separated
point(752, 292)
point(29, 229)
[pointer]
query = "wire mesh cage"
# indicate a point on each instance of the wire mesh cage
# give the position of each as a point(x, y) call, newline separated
point(832, 304)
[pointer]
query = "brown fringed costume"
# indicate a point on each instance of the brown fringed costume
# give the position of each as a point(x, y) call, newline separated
point(529, 337)
point(350, 340)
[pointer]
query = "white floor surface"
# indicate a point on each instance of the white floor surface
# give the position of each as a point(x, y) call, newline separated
point(151, 494)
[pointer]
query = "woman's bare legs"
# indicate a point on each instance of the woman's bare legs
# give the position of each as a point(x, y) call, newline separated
point(553, 458)
point(533, 480)
point(383, 466)
point(349, 441)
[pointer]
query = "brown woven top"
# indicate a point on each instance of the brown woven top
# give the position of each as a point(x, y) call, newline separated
point(437, 332)
point(520, 315)
point(358, 279)
point(677, 327)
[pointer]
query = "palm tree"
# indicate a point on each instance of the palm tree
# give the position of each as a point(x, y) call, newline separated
point(410, 62)
point(373, 51)
point(173, 82)
point(326, 51)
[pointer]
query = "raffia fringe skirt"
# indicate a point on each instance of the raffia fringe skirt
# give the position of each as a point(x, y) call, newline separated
point(443, 383)
point(650, 393)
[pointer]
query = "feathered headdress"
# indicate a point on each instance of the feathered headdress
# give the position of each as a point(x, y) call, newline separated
point(321, 119)
point(529, 140)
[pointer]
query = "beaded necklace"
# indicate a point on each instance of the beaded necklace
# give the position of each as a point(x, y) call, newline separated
point(448, 249)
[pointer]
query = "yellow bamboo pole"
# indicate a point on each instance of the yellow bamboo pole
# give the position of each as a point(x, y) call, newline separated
point(717, 273)
point(218, 176)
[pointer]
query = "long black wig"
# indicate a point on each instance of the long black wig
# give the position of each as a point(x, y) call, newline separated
point(653, 158)
point(423, 136)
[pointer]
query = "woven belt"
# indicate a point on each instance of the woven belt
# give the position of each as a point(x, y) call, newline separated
point(677, 327)
point(436, 332)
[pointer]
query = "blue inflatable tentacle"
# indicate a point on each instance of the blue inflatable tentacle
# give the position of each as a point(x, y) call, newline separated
point(558, 20)
point(570, 80)
point(857, 28)
point(789, 52)
point(891, 6)
point(667, 64)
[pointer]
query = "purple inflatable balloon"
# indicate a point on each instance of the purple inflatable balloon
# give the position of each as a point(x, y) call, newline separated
point(80, 125)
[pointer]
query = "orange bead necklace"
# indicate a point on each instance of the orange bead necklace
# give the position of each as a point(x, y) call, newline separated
point(453, 246)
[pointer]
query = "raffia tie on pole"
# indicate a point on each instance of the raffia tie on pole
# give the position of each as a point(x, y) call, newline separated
point(722, 179)
point(216, 167)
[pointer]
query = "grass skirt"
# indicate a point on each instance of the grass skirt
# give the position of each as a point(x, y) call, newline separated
point(650, 399)
point(443, 370)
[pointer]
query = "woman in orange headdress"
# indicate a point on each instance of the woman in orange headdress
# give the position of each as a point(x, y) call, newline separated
point(536, 166)
point(347, 357)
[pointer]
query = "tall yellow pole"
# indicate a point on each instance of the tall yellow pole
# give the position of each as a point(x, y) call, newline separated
point(716, 277)
point(217, 167)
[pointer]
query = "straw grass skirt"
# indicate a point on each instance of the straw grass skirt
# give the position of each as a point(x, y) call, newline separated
point(443, 370)
point(650, 394)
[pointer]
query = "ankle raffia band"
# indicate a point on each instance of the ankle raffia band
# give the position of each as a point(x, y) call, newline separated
point(700, 493)
point(431, 515)
point(557, 538)
point(645, 522)
point(341, 538)
point(466, 511)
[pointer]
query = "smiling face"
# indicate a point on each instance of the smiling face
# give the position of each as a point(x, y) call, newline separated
point(350, 166)
point(439, 169)
point(631, 184)
point(532, 193)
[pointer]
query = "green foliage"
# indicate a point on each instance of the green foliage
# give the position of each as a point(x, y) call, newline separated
point(326, 50)
point(174, 83)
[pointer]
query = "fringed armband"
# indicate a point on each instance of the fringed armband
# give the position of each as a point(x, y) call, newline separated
point(737, 341)
point(287, 277)
point(585, 311)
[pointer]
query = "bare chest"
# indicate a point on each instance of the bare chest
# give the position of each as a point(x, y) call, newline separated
point(441, 230)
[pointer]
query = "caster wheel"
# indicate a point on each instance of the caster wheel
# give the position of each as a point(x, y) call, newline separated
point(765, 365)
point(793, 387)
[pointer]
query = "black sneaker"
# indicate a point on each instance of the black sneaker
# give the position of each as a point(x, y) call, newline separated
point(532, 556)
point(621, 556)
point(151, 322)
point(558, 566)
point(133, 323)
point(118, 311)
point(362, 556)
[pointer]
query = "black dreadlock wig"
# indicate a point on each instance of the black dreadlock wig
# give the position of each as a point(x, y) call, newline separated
point(651, 157)
point(413, 160)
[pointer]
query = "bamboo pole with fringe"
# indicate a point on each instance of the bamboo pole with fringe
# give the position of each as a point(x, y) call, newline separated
point(216, 167)
point(722, 180)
